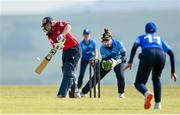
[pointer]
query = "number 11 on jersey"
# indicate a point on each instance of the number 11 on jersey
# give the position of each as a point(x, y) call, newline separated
point(153, 39)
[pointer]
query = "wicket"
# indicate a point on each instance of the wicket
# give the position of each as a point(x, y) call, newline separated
point(95, 79)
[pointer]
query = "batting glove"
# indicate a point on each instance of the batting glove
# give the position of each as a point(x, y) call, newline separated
point(61, 40)
point(60, 37)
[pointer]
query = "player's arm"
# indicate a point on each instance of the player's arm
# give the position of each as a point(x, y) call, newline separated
point(52, 43)
point(61, 38)
point(133, 52)
point(104, 56)
point(172, 61)
point(96, 57)
point(169, 51)
point(96, 54)
point(171, 55)
point(96, 51)
point(67, 29)
point(122, 51)
point(123, 57)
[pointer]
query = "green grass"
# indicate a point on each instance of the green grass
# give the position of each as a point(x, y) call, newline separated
point(42, 99)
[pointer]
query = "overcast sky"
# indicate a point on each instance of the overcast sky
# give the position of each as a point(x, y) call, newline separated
point(45, 6)
point(36, 6)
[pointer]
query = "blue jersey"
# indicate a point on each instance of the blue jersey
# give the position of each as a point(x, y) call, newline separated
point(88, 50)
point(114, 52)
point(152, 40)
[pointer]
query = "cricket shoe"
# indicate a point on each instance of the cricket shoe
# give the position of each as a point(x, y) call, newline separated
point(77, 94)
point(83, 95)
point(148, 98)
point(121, 95)
point(157, 106)
point(60, 96)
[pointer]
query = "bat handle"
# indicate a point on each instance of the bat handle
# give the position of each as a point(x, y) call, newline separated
point(57, 47)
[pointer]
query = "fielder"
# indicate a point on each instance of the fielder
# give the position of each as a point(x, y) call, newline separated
point(89, 52)
point(113, 57)
point(152, 58)
point(56, 31)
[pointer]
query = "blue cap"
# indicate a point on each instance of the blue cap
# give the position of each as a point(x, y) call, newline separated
point(86, 32)
point(150, 27)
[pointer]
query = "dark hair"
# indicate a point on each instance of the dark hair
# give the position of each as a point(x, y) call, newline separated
point(106, 34)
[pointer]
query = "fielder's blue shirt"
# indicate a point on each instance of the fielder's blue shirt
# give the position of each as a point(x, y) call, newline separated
point(114, 52)
point(88, 50)
point(152, 40)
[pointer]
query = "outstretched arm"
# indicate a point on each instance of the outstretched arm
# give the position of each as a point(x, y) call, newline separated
point(133, 52)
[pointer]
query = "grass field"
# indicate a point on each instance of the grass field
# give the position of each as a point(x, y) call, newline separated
point(42, 99)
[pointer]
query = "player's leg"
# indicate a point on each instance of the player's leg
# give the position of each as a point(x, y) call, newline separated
point(120, 79)
point(70, 60)
point(142, 75)
point(144, 69)
point(156, 75)
point(68, 78)
point(103, 73)
point(74, 91)
point(157, 92)
point(83, 66)
point(141, 80)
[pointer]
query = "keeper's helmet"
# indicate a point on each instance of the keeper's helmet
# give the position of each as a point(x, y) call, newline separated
point(45, 21)
point(150, 27)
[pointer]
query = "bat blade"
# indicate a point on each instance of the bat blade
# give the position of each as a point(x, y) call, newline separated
point(41, 66)
point(46, 60)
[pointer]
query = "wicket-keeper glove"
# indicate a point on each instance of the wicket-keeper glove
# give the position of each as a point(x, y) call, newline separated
point(106, 65)
point(110, 64)
point(115, 62)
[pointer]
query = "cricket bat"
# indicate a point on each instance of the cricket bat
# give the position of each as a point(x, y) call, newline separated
point(48, 57)
point(46, 60)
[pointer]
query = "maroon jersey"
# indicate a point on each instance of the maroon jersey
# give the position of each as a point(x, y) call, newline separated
point(56, 30)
